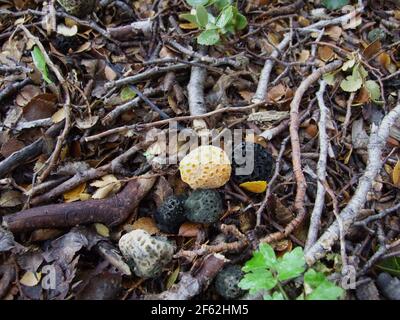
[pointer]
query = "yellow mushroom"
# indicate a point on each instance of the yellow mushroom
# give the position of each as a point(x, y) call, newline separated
point(206, 167)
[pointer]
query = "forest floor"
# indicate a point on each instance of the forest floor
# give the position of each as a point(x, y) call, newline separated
point(86, 94)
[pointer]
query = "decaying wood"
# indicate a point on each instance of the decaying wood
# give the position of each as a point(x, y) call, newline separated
point(111, 211)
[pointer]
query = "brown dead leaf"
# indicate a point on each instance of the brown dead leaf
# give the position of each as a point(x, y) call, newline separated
point(325, 53)
point(334, 32)
point(276, 93)
point(372, 49)
point(162, 191)
point(26, 94)
point(9, 147)
point(40, 107)
point(189, 229)
point(147, 224)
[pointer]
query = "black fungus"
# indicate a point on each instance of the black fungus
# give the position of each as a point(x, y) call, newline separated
point(247, 156)
point(78, 8)
point(226, 282)
point(170, 215)
point(204, 206)
point(389, 286)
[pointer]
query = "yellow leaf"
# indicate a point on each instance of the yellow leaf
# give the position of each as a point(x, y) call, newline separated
point(396, 173)
point(74, 194)
point(58, 116)
point(188, 26)
point(255, 186)
point(30, 279)
point(102, 230)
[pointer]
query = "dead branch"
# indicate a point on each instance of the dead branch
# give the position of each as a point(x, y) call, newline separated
point(190, 285)
point(266, 72)
point(296, 154)
point(111, 211)
point(349, 214)
point(315, 221)
point(29, 152)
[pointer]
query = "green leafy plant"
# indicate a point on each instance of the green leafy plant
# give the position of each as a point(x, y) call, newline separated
point(267, 273)
point(355, 78)
point(228, 19)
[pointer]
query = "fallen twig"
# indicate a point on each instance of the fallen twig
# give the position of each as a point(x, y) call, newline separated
point(349, 214)
point(190, 285)
point(111, 211)
point(315, 221)
point(296, 155)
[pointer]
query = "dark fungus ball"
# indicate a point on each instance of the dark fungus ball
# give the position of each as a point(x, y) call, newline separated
point(252, 162)
point(226, 282)
point(204, 206)
point(78, 8)
point(170, 215)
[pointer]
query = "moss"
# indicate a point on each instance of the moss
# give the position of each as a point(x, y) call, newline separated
point(204, 206)
point(244, 154)
point(170, 215)
point(226, 282)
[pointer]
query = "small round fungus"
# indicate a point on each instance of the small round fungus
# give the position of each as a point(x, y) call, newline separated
point(204, 206)
point(226, 282)
point(206, 167)
point(252, 162)
point(170, 215)
point(146, 254)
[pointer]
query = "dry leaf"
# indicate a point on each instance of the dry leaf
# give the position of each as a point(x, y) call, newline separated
point(146, 224)
point(10, 198)
point(102, 230)
point(74, 194)
point(396, 173)
point(254, 186)
point(172, 278)
point(189, 229)
point(325, 53)
point(334, 32)
point(30, 279)
point(108, 184)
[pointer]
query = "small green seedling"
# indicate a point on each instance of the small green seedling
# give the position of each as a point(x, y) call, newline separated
point(268, 274)
point(228, 19)
point(356, 80)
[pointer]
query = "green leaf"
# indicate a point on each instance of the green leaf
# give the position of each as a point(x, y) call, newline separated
point(225, 17)
point(313, 278)
point(241, 22)
point(326, 291)
point(291, 265)
point(255, 263)
point(257, 281)
point(127, 94)
point(268, 254)
point(40, 64)
point(348, 64)
point(321, 288)
point(390, 265)
point(220, 4)
point(201, 16)
point(334, 4)
point(189, 17)
point(275, 296)
point(195, 3)
point(208, 37)
point(374, 89)
point(329, 78)
point(351, 83)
